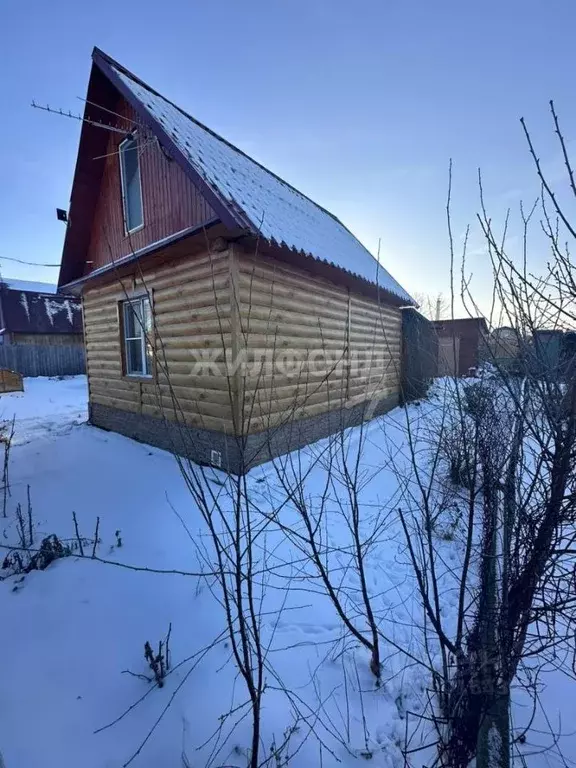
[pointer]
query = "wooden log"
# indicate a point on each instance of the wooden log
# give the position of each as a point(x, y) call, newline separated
point(123, 404)
point(261, 328)
point(187, 328)
point(252, 271)
point(182, 348)
point(191, 393)
point(191, 303)
point(266, 294)
point(217, 383)
point(192, 420)
point(187, 406)
point(250, 313)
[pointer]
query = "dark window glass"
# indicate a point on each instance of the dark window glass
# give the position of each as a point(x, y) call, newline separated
point(137, 322)
point(131, 187)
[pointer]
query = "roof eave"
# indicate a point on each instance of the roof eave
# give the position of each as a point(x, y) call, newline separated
point(146, 250)
point(337, 274)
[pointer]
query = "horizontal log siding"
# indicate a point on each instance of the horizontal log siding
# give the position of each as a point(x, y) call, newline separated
point(284, 313)
point(375, 350)
point(191, 309)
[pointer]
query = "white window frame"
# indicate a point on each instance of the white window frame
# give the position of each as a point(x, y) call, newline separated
point(127, 230)
point(141, 337)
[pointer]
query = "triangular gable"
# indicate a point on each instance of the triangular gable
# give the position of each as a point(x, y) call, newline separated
point(242, 192)
point(173, 205)
point(87, 177)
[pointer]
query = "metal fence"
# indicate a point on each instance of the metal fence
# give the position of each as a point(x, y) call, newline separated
point(419, 355)
point(43, 360)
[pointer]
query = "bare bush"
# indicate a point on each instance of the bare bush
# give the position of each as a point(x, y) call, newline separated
point(510, 443)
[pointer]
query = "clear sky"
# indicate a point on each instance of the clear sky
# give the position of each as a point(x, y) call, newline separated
point(358, 104)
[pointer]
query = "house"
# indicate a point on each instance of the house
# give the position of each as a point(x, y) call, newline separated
point(461, 344)
point(32, 313)
point(545, 351)
point(227, 316)
point(504, 348)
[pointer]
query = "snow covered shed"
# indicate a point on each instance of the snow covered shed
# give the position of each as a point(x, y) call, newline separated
point(32, 313)
point(227, 316)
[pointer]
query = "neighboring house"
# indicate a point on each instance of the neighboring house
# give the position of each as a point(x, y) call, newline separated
point(504, 348)
point(461, 343)
point(546, 348)
point(183, 247)
point(505, 335)
point(32, 313)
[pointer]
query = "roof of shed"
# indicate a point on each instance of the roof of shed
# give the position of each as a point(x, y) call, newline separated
point(28, 285)
point(453, 322)
point(251, 196)
point(40, 312)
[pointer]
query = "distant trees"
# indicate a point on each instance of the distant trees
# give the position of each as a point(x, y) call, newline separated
point(433, 306)
point(507, 443)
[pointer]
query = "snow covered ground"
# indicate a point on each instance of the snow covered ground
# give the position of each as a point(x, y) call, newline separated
point(46, 407)
point(70, 633)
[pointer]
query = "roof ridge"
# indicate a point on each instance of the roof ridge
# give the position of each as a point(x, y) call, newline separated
point(318, 232)
point(209, 130)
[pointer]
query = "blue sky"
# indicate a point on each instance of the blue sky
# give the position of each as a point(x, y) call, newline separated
point(359, 104)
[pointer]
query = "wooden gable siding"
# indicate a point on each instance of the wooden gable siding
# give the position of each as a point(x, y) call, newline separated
point(191, 309)
point(324, 329)
point(171, 202)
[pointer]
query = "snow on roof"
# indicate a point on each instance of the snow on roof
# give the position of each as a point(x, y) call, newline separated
point(272, 207)
point(28, 285)
point(40, 312)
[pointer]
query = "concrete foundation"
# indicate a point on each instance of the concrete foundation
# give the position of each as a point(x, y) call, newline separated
point(238, 454)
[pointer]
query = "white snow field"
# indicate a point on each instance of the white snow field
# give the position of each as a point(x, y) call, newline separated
point(70, 632)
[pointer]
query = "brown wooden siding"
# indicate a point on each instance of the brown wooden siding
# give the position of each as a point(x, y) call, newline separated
point(191, 308)
point(171, 202)
point(345, 348)
point(470, 332)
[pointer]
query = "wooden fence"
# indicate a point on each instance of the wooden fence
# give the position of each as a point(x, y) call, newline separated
point(43, 360)
point(419, 355)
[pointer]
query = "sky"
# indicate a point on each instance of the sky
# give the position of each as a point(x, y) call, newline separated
point(360, 105)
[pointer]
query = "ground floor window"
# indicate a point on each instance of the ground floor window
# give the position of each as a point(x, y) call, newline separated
point(137, 332)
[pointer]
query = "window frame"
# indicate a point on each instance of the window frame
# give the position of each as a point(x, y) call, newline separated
point(147, 372)
point(123, 189)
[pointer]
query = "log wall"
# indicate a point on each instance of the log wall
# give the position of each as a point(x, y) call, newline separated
point(310, 345)
point(303, 346)
point(191, 310)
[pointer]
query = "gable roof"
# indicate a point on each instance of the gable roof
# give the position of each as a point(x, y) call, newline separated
point(28, 285)
point(244, 193)
point(25, 311)
point(450, 324)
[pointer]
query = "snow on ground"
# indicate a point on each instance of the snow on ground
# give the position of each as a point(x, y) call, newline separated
point(47, 406)
point(69, 633)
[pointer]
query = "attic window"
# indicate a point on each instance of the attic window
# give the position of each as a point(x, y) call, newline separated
point(137, 332)
point(131, 185)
